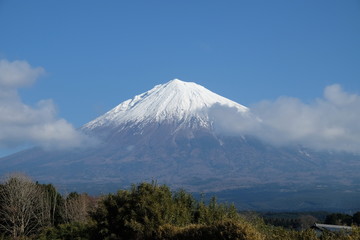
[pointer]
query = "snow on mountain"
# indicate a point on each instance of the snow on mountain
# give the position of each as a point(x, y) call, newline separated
point(174, 101)
point(172, 133)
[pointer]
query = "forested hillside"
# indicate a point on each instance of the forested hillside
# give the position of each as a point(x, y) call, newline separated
point(29, 210)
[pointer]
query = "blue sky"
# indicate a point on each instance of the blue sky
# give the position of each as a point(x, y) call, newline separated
point(88, 56)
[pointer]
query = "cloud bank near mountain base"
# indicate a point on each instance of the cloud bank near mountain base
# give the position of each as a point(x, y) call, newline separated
point(331, 122)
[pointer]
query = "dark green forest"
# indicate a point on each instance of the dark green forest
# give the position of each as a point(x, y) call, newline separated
point(30, 210)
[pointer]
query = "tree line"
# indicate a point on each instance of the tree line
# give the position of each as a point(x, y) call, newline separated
point(304, 220)
point(29, 210)
point(27, 207)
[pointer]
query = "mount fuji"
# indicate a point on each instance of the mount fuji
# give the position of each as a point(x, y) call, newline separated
point(178, 102)
point(168, 134)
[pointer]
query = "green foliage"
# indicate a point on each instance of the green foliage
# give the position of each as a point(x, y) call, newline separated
point(183, 208)
point(276, 233)
point(140, 212)
point(214, 212)
point(133, 214)
point(69, 231)
point(151, 211)
point(228, 229)
point(339, 219)
point(356, 218)
point(353, 235)
point(279, 233)
point(343, 219)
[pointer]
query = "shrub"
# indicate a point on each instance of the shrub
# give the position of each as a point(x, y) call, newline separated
point(68, 231)
point(229, 229)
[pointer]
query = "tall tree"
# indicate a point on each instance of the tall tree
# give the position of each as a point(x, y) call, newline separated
point(22, 205)
point(52, 204)
point(77, 207)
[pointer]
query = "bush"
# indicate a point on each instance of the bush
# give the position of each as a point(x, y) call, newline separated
point(69, 231)
point(236, 230)
point(140, 212)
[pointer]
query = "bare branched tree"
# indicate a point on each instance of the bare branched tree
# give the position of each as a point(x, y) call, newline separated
point(43, 208)
point(50, 203)
point(21, 206)
point(76, 207)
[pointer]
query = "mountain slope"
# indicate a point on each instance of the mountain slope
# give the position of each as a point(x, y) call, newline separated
point(174, 102)
point(166, 134)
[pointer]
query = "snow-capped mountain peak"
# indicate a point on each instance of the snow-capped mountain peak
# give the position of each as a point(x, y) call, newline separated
point(174, 101)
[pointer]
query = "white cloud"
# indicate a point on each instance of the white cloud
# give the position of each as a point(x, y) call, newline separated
point(329, 123)
point(18, 73)
point(21, 124)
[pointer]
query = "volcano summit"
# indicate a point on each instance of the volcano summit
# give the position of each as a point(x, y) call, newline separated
point(174, 102)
